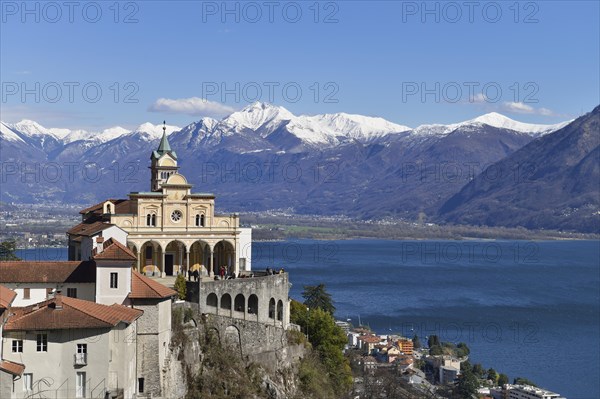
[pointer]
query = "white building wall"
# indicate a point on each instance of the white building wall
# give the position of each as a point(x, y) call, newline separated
point(54, 371)
point(88, 244)
point(245, 248)
point(37, 291)
point(122, 360)
point(104, 293)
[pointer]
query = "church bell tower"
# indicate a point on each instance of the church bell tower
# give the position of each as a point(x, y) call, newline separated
point(164, 162)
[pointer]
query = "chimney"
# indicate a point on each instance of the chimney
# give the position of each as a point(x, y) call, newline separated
point(99, 244)
point(58, 301)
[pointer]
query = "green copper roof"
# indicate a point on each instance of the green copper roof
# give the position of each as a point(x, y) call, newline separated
point(164, 146)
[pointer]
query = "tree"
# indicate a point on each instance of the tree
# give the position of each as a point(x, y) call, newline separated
point(468, 384)
point(502, 379)
point(181, 286)
point(492, 375)
point(478, 370)
point(315, 297)
point(416, 342)
point(462, 350)
point(8, 250)
point(433, 340)
point(436, 350)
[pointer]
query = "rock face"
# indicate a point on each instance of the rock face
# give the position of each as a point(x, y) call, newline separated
point(553, 182)
point(243, 342)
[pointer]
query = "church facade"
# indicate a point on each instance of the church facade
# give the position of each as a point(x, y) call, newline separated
point(170, 228)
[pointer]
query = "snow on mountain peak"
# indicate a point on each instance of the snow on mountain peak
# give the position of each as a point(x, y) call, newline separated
point(503, 122)
point(493, 119)
point(256, 115)
point(7, 133)
point(31, 128)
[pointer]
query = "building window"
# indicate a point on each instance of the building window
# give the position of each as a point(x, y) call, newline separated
point(81, 348)
point(151, 219)
point(72, 292)
point(114, 280)
point(42, 342)
point(17, 346)
point(80, 385)
point(200, 220)
point(28, 382)
point(140, 385)
point(26, 293)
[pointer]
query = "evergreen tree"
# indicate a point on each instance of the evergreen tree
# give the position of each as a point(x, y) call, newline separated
point(416, 342)
point(433, 340)
point(502, 379)
point(8, 250)
point(492, 375)
point(315, 297)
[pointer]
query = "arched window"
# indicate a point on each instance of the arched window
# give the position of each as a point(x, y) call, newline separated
point(148, 220)
point(153, 220)
point(226, 302)
point(280, 310)
point(211, 300)
point(253, 304)
point(201, 220)
point(272, 308)
point(108, 208)
point(240, 303)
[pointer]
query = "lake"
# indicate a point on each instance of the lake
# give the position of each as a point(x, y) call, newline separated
point(525, 308)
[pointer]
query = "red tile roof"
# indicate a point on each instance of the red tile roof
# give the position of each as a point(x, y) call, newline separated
point(47, 272)
point(143, 287)
point(88, 229)
point(6, 296)
point(114, 250)
point(62, 313)
point(122, 206)
point(12, 367)
point(371, 339)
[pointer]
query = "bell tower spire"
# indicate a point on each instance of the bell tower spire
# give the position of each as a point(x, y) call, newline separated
point(164, 162)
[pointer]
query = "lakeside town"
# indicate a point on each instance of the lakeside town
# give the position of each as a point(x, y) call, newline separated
point(384, 363)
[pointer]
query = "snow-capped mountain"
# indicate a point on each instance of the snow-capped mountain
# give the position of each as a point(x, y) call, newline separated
point(24, 129)
point(264, 157)
point(493, 119)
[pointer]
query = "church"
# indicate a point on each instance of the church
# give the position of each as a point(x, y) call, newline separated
point(99, 324)
point(169, 228)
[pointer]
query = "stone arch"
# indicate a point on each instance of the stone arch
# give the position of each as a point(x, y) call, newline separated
point(280, 310)
point(151, 258)
point(226, 303)
point(223, 223)
point(233, 339)
point(240, 303)
point(212, 300)
point(253, 304)
point(272, 308)
point(200, 256)
point(174, 257)
point(224, 255)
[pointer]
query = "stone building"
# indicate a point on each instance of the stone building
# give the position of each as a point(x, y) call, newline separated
point(170, 229)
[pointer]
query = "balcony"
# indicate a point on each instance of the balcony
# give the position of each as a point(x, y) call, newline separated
point(80, 359)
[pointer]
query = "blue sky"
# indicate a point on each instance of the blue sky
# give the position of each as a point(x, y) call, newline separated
point(408, 62)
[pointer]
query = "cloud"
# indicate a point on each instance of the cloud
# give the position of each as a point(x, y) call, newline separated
point(479, 98)
point(522, 108)
point(194, 106)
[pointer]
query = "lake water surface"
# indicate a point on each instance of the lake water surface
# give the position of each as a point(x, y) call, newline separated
point(529, 309)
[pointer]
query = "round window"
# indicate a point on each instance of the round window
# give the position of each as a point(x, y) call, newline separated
point(176, 216)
